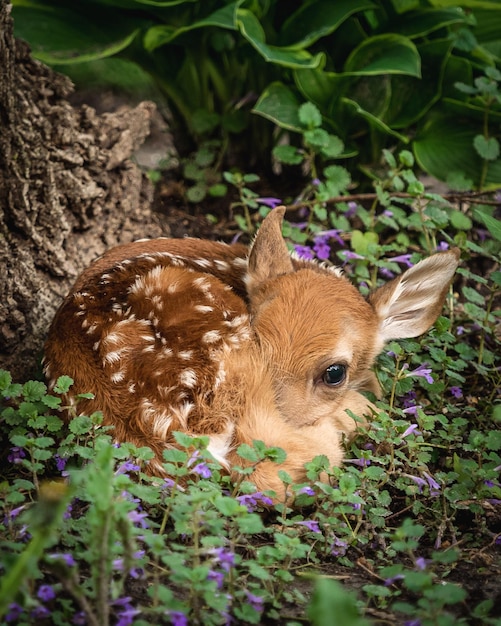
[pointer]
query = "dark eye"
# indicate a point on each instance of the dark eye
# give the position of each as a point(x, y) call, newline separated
point(334, 374)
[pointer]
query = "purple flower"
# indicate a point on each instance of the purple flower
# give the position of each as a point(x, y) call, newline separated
point(271, 202)
point(348, 255)
point(138, 518)
point(177, 618)
point(128, 466)
point(79, 619)
point(60, 462)
point(67, 558)
point(16, 455)
point(225, 558)
point(216, 576)
point(433, 485)
point(413, 622)
point(412, 410)
point(420, 482)
point(321, 248)
point(420, 563)
point(14, 513)
point(304, 252)
point(386, 273)
point(352, 209)
point(256, 602)
point(457, 392)
point(424, 372)
point(410, 429)
point(360, 462)
point(442, 246)
point(46, 593)
point(252, 500)
point(459, 330)
point(409, 400)
point(311, 525)
point(202, 470)
point(14, 612)
point(392, 579)
point(338, 547)
point(40, 612)
point(403, 258)
point(308, 491)
point(126, 612)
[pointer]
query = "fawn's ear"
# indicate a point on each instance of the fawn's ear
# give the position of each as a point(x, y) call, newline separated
point(409, 305)
point(269, 256)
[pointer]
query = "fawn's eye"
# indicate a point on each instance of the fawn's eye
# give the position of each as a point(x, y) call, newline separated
point(334, 375)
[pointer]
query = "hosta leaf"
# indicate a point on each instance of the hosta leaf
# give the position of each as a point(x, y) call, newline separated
point(384, 54)
point(318, 19)
point(445, 145)
point(64, 36)
point(425, 21)
point(252, 30)
point(280, 105)
point(160, 35)
point(373, 120)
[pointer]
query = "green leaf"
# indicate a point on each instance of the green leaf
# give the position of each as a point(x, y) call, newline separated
point(63, 384)
point(317, 19)
point(491, 223)
point(160, 35)
point(309, 115)
point(289, 155)
point(66, 36)
point(487, 147)
point(278, 104)
point(445, 145)
point(460, 221)
point(384, 54)
point(374, 121)
point(252, 30)
point(330, 599)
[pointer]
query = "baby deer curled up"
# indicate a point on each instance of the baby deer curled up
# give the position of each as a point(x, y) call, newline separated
point(236, 344)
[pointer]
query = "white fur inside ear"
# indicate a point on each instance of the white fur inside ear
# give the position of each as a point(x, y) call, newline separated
point(409, 305)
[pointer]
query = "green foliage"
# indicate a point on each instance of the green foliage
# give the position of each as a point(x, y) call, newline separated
point(379, 73)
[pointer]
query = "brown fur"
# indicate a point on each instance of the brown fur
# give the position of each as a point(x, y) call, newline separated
point(217, 340)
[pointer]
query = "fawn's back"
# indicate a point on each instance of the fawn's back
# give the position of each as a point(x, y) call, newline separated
point(237, 344)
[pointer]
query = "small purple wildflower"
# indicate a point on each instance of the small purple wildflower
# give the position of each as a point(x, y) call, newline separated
point(412, 410)
point(79, 619)
point(424, 372)
point(67, 558)
point(420, 482)
point(457, 392)
point(218, 577)
point(60, 462)
point(403, 258)
point(386, 273)
point(410, 429)
point(67, 512)
point(269, 201)
point(125, 468)
point(322, 248)
point(225, 558)
point(40, 612)
point(46, 593)
point(126, 612)
point(433, 485)
point(304, 252)
point(497, 541)
point(393, 579)
point(177, 618)
point(202, 470)
point(16, 455)
point(409, 400)
point(338, 547)
point(348, 255)
point(256, 602)
point(442, 246)
point(14, 513)
point(360, 462)
point(311, 525)
point(388, 213)
point(352, 209)
point(307, 491)
point(138, 518)
point(420, 563)
point(252, 500)
point(14, 612)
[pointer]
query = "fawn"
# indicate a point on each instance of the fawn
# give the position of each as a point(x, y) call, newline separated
point(234, 343)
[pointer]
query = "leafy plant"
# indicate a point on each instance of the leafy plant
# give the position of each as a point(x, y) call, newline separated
point(381, 72)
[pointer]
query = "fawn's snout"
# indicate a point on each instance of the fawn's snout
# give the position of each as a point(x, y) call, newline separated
point(234, 343)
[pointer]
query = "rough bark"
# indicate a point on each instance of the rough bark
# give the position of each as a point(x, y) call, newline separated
point(68, 191)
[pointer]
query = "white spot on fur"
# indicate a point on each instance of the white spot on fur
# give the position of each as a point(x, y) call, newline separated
point(211, 336)
point(220, 445)
point(188, 378)
point(132, 388)
point(118, 377)
point(205, 263)
point(222, 265)
point(240, 262)
point(173, 287)
point(201, 308)
point(185, 355)
point(161, 425)
point(182, 413)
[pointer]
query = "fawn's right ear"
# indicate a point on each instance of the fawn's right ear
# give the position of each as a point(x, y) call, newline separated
point(409, 305)
point(269, 256)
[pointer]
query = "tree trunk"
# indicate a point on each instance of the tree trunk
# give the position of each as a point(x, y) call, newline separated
point(68, 191)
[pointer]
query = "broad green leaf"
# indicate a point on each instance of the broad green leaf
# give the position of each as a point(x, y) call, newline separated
point(320, 87)
point(318, 19)
point(279, 104)
point(64, 36)
point(487, 147)
point(425, 21)
point(467, 4)
point(384, 54)
point(373, 120)
point(160, 35)
point(491, 223)
point(445, 145)
point(252, 30)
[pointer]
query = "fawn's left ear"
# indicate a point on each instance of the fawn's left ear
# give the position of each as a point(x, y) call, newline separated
point(409, 305)
point(269, 256)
